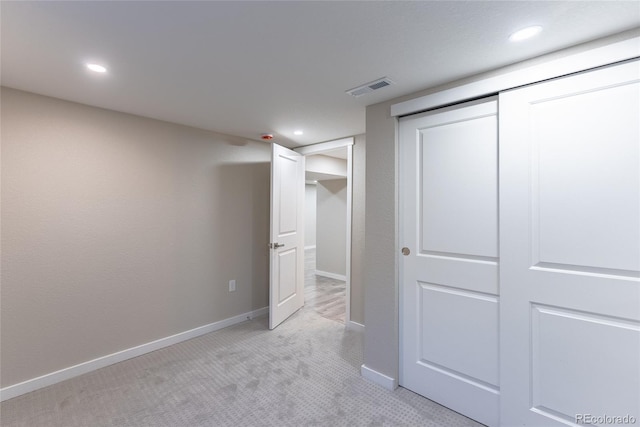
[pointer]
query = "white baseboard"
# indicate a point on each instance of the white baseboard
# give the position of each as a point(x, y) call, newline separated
point(309, 247)
point(378, 378)
point(101, 362)
point(331, 275)
point(355, 326)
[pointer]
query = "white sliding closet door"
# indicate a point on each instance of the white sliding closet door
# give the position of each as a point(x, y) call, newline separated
point(449, 280)
point(570, 250)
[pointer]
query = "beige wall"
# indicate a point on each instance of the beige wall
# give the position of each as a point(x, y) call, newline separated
point(309, 215)
point(380, 303)
point(381, 350)
point(331, 226)
point(357, 229)
point(119, 230)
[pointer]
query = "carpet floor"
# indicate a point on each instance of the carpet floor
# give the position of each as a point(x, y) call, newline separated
point(304, 373)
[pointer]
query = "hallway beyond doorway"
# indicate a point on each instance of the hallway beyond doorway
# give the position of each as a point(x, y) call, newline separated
point(323, 295)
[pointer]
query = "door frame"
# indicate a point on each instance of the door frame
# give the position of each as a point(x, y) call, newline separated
point(319, 149)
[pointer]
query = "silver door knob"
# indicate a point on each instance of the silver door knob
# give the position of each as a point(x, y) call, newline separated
point(405, 251)
point(276, 245)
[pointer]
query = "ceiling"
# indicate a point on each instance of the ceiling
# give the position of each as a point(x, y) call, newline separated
point(246, 68)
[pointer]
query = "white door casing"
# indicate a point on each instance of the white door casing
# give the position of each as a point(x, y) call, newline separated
point(319, 148)
point(286, 285)
point(570, 249)
point(449, 281)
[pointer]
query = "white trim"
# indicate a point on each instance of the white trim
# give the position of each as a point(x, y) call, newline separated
point(331, 275)
point(397, 226)
point(101, 362)
point(324, 146)
point(378, 378)
point(572, 63)
point(319, 148)
point(309, 247)
point(354, 326)
point(347, 278)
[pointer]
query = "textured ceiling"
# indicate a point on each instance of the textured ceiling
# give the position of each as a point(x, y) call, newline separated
point(245, 68)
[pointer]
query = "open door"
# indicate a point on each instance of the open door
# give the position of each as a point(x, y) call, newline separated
point(286, 286)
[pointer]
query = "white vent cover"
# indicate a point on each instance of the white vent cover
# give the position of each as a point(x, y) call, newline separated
point(370, 87)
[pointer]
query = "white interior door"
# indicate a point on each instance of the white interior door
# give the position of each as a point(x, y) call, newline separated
point(286, 286)
point(449, 281)
point(570, 245)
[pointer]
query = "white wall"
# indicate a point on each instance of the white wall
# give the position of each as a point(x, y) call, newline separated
point(332, 227)
point(118, 230)
point(310, 215)
point(358, 230)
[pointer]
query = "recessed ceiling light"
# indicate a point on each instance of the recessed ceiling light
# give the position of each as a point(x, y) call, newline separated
point(97, 68)
point(525, 33)
point(298, 132)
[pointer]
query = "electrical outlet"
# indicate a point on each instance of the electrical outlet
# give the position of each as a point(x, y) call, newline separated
point(232, 285)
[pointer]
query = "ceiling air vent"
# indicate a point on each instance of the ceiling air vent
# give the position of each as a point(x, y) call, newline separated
point(370, 87)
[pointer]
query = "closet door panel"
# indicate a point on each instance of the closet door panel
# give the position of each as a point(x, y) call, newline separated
point(570, 249)
point(449, 283)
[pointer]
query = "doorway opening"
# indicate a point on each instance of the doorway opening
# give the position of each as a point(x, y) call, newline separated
point(328, 195)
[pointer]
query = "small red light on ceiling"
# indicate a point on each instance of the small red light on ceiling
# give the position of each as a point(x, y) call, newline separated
point(266, 136)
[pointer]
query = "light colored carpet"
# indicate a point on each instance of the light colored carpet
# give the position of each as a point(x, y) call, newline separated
point(304, 373)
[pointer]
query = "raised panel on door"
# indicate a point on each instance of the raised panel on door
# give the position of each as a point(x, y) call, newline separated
point(287, 261)
point(559, 379)
point(288, 195)
point(449, 283)
point(585, 174)
point(448, 341)
point(570, 249)
point(458, 163)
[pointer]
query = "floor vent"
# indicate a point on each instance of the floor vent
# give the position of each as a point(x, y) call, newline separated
point(370, 87)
